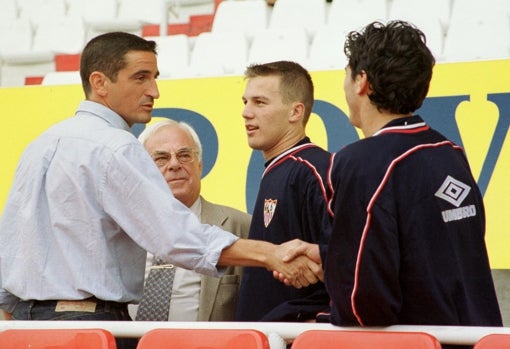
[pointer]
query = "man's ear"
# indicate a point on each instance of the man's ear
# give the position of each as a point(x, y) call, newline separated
point(99, 83)
point(298, 112)
point(362, 85)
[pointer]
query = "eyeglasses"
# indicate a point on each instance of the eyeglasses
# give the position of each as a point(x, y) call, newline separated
point(184, 156)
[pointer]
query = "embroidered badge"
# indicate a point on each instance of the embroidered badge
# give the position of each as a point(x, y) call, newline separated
point(269, 208)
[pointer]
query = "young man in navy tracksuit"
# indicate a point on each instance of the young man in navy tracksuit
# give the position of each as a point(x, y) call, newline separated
point(407, 243)
point(292, 195)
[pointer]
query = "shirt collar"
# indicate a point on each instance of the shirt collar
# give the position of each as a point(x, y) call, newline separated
point(305, 140)
point(196, 208)
point(402, 125)
point(104, 113)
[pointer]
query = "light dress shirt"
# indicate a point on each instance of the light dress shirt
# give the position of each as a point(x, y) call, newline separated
point(86, 203)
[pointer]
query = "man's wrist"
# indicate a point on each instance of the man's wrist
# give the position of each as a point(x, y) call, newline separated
point(245, 252)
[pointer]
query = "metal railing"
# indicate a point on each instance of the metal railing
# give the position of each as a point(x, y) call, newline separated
point(277, 332)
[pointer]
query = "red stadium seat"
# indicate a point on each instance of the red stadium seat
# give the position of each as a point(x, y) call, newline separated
point(493, 341)
point(327, 339)
point(203, 338)
point(57, 339)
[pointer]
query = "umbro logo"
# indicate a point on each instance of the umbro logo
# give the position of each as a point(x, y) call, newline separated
point(453, 191)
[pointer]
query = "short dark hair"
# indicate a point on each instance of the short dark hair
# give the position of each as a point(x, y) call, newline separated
point(397, 62)
point(295, 82)
point(106, 52)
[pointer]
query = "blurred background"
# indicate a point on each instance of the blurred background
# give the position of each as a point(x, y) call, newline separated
point(41, 40)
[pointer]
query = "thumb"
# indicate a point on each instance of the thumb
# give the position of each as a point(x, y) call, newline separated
point(295, 252)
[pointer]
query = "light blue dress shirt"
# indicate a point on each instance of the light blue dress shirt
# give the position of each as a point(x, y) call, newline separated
point(86, 204)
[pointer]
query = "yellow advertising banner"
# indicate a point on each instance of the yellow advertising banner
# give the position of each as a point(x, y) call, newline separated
point(468, 102)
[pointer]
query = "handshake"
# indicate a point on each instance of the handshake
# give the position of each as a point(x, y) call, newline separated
point(295, 263)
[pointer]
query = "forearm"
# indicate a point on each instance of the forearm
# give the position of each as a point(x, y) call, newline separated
point(247, 253)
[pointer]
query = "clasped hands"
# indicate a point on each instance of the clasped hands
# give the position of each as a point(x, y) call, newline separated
point(297, 263)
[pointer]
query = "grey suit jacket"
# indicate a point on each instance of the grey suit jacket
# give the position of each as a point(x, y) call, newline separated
point(218, 296)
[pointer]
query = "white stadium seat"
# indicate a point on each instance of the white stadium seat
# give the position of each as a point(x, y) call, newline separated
point(173, 55)
point(94, 10)
point(247, 16)
point(147, 12)
point(348, 15)
point(327, 50)
point(62, 78)
point(208, 60)
point(18, 67)
point(41, 11)
point(307, 14)
point(31, 31)
point(15, 36)
point(9, 11)
point(279, 44)
point(61, 35)
point(485, 35)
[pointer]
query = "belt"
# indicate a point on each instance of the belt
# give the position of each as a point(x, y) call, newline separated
point(91, 304)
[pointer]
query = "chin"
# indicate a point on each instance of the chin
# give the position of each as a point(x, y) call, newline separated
point(255, 146)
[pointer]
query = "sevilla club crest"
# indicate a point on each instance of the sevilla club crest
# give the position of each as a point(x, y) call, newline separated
point(269, 208)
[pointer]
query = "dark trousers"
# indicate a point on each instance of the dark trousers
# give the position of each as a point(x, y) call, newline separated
point(102, 311)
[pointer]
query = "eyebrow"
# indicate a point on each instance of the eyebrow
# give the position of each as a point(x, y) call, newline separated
point(159, 152)
point(144, 72)
point(163, 152)
point(258, 97)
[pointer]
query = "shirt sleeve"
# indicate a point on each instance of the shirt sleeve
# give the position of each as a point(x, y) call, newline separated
point(136, 195)
point(376, 297)
point(362, 265)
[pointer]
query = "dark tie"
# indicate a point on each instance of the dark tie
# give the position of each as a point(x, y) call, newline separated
point(155, 302)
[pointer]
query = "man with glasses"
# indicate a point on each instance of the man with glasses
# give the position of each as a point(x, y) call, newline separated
point(177, 151)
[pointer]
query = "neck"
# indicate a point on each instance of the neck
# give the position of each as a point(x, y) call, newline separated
point(378, 120)
point(287, 142)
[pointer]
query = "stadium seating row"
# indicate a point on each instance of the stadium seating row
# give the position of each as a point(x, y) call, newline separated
point(34, 32)
point(233, 338)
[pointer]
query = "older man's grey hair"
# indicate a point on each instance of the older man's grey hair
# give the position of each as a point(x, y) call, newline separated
point(151, 129)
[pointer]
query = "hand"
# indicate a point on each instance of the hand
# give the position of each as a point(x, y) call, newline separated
point(298, 248)
point(296, 268)
point(6, 315)
point(300, 271)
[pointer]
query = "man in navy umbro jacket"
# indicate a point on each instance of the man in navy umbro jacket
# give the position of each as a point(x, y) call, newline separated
point(407, 243)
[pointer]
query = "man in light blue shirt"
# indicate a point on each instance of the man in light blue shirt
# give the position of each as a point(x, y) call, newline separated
point(87, 202)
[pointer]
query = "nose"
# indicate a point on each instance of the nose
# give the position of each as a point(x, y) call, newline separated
point(153, 90)
point(172, 165)
point(247, 114)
